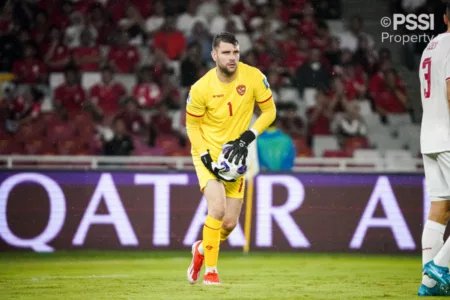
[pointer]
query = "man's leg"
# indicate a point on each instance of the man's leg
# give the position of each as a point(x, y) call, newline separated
point(437, 179)
point(433, 235)
point(231, 218)
point(215, 197)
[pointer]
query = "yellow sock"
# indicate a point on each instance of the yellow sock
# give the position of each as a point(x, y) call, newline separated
point(224, 234)
point(211, 241)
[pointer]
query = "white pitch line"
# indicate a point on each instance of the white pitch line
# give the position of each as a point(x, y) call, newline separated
point(80, 277)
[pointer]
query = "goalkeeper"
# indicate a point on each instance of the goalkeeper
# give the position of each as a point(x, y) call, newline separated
point(218, 111)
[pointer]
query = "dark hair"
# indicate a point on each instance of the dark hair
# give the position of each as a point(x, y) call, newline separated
point(107, 68)
point(225, 37)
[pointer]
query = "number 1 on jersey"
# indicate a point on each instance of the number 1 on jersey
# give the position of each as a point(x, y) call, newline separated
point(230, 108)
point(426, 64)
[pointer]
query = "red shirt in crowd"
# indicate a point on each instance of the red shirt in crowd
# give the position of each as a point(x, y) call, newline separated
point(20, 108)
point(107, 97)
point(389, 102)
point(60, 53)
point(144, 7)
point(134, 122)
point(80, 52)
point(29, 70)
point(172, 43)
point(147, 94)
point(321, 126)
point(162, 124)
point(307, 28)
point(294, 59)
point(124, 58)
point(70, 97)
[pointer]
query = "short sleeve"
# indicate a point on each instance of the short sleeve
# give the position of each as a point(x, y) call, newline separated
point(262, 89)
point(195, 104)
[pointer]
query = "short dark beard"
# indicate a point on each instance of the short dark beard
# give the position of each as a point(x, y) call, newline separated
point(225, 71)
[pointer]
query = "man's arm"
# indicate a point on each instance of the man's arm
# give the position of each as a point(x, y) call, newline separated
point(263, 97)
point(195, 110)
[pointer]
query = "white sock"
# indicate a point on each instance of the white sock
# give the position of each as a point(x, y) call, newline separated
point(200, 249)
point(210, 269)
point(443, 257)
point(432, 242)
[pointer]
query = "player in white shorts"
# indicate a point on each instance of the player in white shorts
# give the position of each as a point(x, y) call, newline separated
point(434, 72)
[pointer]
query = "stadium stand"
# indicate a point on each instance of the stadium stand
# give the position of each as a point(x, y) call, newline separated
point(320, 74)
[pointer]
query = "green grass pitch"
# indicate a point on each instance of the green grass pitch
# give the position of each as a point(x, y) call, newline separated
point(151, 275)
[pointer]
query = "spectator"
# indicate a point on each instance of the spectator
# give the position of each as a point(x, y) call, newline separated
point(355, 81)
point(21, 108)
point(412, 6)
point(290, 122)
point(186, 20)
point(30, 69)
point(322, 37)
point(160, 124)
point(56, 54)
point(156, 20)
point(69, 96)
point(61, 10)
point(171, 41)
point(308, 26)
point(104, 28)
point(377, 80)
point(6, 18)
point(350, 124)
point(106, 96)
point(191, 66)
point(72, 36)
point(87, 56)
point(349, 38)
point(147, 93)
point(248, 10)
point(320, 115)
point(41, 27)
point(338, 95)
point(333, 53)
point(275, 81)
point(276, 151)
point(170, 95)
point(364, 56)
point(267, 15)
point(161, 65)
point(134, 25)
point(392, 99)
point(123, 57)
point(218, 23)
point(297, 55)
point(313, 73)
point(134, 122)
point(201, 36)
point(121, 144)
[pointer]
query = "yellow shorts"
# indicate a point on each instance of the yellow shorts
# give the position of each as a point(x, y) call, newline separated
point(232, 189)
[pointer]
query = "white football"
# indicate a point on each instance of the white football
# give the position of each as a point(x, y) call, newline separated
point(232, 170)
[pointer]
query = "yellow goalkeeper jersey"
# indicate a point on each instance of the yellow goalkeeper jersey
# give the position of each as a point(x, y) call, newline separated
point(226, 109)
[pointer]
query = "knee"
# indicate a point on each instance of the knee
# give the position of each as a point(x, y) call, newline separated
point(229, 224)
point(439, 213)
point(216, 209)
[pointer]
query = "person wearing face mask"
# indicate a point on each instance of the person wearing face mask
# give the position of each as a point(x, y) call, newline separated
point(312, 74)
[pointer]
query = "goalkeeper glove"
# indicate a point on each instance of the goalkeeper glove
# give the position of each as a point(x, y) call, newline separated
point(214, 167)
point(239, 148)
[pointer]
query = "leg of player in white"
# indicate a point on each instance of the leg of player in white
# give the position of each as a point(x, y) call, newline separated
point(436, 254)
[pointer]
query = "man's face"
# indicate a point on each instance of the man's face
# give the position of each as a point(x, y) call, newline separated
point(107, 76)
point(226, 56)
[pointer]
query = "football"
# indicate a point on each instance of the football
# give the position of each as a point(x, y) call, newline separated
point(232, 170)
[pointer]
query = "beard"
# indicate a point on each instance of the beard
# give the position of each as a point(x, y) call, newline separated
point(225, 71)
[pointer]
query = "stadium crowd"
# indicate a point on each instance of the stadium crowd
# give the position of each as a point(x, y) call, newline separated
point(289, 40)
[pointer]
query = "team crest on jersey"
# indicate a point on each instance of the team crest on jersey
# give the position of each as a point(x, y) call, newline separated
point(241, 89)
